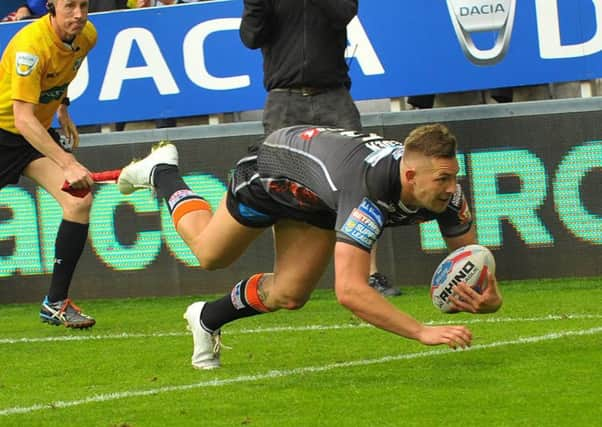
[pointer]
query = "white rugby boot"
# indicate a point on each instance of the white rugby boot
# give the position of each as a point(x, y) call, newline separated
point(139, 173)
point(206, 346)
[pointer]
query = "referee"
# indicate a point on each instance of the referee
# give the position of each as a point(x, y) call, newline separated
point(36, 68)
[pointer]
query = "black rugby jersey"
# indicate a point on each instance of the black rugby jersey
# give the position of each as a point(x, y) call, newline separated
point(347, 179)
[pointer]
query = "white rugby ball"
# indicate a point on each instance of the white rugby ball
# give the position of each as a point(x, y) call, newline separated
point(468, 264)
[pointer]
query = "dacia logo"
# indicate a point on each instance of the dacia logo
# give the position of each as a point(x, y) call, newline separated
point(484, 9)
point(470, 17)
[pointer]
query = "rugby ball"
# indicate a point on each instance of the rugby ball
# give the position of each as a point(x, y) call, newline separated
point(468, 264)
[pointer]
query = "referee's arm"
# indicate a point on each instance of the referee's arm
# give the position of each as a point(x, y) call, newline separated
point(34, 132)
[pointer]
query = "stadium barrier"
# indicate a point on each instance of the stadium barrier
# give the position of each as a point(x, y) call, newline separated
point(532, 172)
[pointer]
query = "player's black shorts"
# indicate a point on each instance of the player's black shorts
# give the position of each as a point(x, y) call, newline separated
point(252, 206)
point(15, 154)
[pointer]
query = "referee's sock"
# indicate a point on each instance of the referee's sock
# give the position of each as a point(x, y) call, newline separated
point(177, 194)
point(70, 241)
point(243, 301)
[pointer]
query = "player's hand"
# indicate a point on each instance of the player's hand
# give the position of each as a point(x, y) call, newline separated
point(78, 176)
point(68, 127)
point(452, 336)
point(467, 299)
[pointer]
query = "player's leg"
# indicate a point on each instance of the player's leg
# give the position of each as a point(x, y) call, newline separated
point(71, 238)
point(302, 254)
point(379, 281)
point(215, 239)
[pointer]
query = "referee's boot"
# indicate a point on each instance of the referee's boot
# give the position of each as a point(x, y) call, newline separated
point(139, 173)
point(207, 346)
point(65, 313)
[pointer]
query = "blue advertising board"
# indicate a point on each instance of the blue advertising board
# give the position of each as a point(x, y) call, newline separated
point(188, 59)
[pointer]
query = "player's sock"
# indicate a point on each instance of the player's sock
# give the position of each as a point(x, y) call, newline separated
point(243, 301)
point(179, 197)
point(70, 241)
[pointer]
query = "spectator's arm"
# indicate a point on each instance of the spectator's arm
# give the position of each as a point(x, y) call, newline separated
point(23, 12)
point(339, 12)
point(254, 27)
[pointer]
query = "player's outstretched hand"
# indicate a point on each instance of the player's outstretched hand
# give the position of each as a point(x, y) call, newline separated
point(452, 336)
point(467, 299)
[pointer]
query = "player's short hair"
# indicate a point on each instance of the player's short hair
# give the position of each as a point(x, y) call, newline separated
point(434, 140)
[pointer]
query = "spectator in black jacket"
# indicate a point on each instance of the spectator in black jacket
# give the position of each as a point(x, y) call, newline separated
point(106, 5)
point(305, 73)
point(306, 76)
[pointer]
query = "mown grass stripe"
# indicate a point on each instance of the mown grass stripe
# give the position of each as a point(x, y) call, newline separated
point(290, 372)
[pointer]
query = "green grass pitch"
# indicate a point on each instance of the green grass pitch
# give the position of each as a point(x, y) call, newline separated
point(537, 362)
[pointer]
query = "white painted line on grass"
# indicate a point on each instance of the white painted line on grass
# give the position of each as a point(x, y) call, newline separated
point(127, 335)
point(286, 373)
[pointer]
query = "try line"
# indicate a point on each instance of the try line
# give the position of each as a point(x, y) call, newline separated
point(128, 335)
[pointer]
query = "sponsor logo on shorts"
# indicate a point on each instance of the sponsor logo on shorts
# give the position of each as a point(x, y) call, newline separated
point(25, 63)
point(364, 224)
point(309, 134)
point(250, 213)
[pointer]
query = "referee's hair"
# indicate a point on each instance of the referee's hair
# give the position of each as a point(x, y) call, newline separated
point(434, 140)
point(51, 7)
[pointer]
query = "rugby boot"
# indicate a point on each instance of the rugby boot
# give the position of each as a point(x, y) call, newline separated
point(381, 284)
point(207, 346)
point(139, 173)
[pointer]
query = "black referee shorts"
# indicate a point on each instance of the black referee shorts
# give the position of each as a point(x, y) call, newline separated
point(15, 154)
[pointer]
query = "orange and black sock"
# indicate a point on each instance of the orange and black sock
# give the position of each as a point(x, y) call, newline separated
point(243, 301)
point(179, 197)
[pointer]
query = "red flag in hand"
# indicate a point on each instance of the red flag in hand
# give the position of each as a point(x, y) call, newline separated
point(104, 176)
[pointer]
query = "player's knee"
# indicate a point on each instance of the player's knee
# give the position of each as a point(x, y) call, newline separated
point(293, 302)
point(76, 207)
point(209, 262)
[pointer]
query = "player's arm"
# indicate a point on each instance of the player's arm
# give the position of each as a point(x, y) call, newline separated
point(466, 298)
point(255, 24)
point(468, 238)
point(352, 265)
point(34, 132)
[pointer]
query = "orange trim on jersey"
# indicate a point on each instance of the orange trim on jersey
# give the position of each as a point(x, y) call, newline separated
point(187, 206)
point(251, 294)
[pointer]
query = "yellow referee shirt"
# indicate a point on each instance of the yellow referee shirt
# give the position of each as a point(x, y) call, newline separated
point(37, 66)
